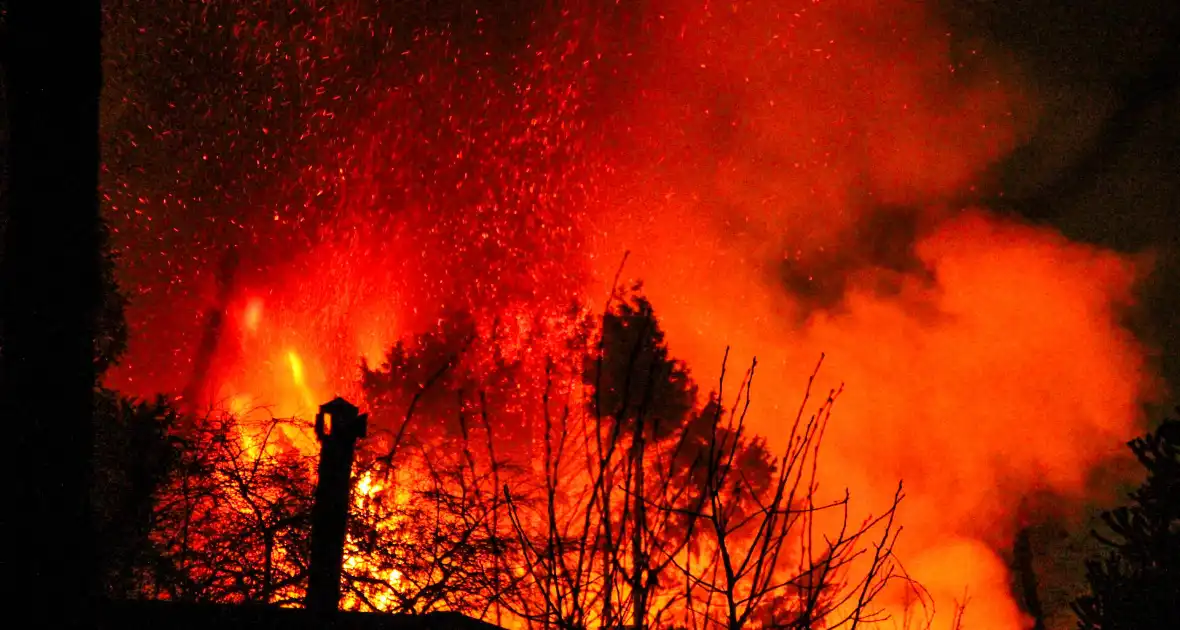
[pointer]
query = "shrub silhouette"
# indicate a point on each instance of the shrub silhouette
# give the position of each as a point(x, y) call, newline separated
point(1136, 583)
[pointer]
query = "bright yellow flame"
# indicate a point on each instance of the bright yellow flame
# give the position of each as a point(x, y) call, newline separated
point(367, 487)
point(297, 377)
point(296, 367)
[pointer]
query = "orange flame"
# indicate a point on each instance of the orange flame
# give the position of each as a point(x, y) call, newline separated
point(766, 137)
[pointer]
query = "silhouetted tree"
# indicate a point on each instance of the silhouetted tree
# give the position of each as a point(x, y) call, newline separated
point(233, 523)
point(432, 536)
point(199, 508)
point(449, 408)
point(133, 459)
point(1136, 584)
point(638, 505)
point(621, 514)
point(657, 513)
point(635, 380)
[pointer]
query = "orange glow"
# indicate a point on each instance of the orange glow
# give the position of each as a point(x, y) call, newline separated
point(789, 178)
point(253, 315)
point(382, 595)
point(308, 399)
point(239, 405)
point(991, 369)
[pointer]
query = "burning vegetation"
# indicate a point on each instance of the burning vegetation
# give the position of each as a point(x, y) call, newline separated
point(611, 495)
point(422, 212)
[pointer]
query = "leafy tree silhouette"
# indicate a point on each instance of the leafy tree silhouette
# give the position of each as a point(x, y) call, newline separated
point(133, 457)
point(1136, 584)
point(660, 512)
point(623, 513)
point(188, 508)
point(636, 380)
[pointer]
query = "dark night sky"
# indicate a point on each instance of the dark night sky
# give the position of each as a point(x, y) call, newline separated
point(1103, 161)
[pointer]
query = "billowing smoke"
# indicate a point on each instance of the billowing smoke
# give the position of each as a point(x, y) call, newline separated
point(789, 177)
point(797, 191)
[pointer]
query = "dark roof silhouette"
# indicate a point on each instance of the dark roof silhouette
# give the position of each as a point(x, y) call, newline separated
point(127, 615)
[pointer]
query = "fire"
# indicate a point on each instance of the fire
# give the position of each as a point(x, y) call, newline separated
point(307, 398)
point(983, 359)
point(789, 179)
point(368, 489)
point(239, 405)
point(253, 315)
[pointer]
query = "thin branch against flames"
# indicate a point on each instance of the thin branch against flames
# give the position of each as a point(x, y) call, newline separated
point(575, 483)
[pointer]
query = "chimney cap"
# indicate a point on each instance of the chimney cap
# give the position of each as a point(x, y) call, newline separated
point(339, 407)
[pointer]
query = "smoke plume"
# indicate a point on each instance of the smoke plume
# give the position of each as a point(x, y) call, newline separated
point(795, 193)
point(788, 176)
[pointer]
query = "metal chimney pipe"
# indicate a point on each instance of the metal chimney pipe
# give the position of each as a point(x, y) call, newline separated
point(338, 426)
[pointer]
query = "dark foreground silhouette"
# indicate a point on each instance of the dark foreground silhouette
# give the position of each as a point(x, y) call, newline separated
point(1136, 584)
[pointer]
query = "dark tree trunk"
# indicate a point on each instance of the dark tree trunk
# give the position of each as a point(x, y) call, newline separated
point(1027, 578)
point(638, 559)
point(50, 279)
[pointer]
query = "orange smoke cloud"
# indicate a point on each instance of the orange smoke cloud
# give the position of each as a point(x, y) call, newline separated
point(1006, 377)
point(1002, 375)
point(785, 175)
point(792, 194)
point(787, 123)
